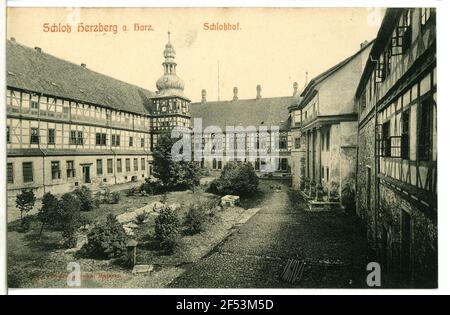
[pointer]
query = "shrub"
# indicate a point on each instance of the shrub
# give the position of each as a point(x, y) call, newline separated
point(236, 179)
point(140, 218)
point(106, 196)
point(25, 203)
point(106, 240)
point(198, 216)
point(152, 187)
point(84, 194)
point(48, 213)
point(69, 207)
point(167, 227)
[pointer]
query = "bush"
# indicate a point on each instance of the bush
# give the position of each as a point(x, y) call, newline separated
point(69, 216)
point(236, 179)
point(84, 194)
point(198, 216)
point(106, 196)
point(167, 227)
point(152, 187)
point(106, 240)
point(48, 213)
point(25, 203)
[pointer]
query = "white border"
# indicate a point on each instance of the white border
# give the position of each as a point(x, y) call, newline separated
point(443, 130)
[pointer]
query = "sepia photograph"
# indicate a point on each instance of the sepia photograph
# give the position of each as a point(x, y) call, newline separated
point(275, 147)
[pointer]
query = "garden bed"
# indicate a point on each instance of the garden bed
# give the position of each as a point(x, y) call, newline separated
point(34, 262)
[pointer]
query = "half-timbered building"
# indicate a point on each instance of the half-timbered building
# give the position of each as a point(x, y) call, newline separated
point(397, 148)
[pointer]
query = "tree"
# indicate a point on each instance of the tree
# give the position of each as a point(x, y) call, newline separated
point(48, 213)
point(69, 215)
point(167, 226)
point(25, 202)
point(84, 194)
point(173, 174)
point(236, 179)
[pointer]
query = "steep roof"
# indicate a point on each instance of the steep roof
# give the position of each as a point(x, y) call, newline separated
point(35, 71)
point(387, 25)
point(310, 88)
point(271, 111)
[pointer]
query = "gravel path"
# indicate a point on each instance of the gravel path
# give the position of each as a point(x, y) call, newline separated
point(255, 254)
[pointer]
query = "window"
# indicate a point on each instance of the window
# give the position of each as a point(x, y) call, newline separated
point(219, 164)
point(34, 136)
point(327, 142)
point(142, 142)
point(405, 135)
point(109, 166)
point(127, 165)
point(51, 136)
point(115, 140)
point(100, 138)
point(135, 164)
point(56, 172)
point(284, 164)
point(130, 142)
point(27, 170)
point(424, 134)
point(10, 173)
point(214, 164)
point(297, 143)
point(34, 105)
point(425, 16)
point(99, 167)
point(73, 137)
point(363, 100)
point(143, 164)
point(401, 39)
point(80, 138)
point(119, 165)
point(386, 140)
point(369, 188)
point(8, 136)
point(283, 142)
point(70, 166)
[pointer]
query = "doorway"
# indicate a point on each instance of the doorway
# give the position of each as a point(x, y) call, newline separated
point(86, 174)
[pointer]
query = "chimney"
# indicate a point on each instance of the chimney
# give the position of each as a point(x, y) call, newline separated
point(83, 65)
point(295, 85)
point(13, 39)
point(258, 92)
point(235, 94)
point(203, 96)
point(364, 44)
point(38, 49)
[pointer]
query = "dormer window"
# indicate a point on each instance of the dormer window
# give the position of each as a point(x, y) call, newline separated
point(425, 17)
point(401, 39)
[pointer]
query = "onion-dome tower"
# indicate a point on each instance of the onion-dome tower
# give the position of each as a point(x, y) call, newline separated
point(170, 105)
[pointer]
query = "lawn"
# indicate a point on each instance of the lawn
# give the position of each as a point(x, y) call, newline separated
point(34, 262)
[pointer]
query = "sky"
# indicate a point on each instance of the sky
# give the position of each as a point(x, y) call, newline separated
point(273, 47)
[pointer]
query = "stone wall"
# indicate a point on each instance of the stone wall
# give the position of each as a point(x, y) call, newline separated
point(365, 162)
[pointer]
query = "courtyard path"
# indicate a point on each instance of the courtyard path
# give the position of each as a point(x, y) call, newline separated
point(254, 255)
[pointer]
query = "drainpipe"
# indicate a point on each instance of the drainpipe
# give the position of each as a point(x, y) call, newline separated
point(376, 194)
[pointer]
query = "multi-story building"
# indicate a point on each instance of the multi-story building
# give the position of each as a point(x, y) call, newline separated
point(69, 126)
point(397, 148)
point(247, 117)
point(324, 131)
